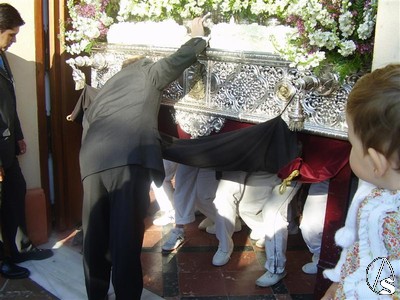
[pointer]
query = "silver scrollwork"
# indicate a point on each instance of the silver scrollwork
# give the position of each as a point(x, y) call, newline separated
point(245, 86)
point(197, 125)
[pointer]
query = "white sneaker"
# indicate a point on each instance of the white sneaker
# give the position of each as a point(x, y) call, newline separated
point(268, 279)
point(221, 258)
point(256, 235)
point(238, 227)
point(165, 219)
point(260, 243)
point(205, 223)
point(310, 268)
point(175, 239)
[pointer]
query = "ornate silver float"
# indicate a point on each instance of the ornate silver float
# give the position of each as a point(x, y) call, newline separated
point(248, 87)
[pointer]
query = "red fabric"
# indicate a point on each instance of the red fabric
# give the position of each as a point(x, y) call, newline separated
point(322, 158)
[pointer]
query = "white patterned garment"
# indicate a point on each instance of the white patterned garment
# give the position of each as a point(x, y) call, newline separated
point(370, 232)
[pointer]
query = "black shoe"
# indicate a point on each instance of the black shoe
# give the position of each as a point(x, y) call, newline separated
point(33, 254)
point(12, 271)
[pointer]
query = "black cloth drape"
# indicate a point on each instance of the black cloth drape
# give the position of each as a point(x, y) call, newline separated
point(267, 146)
point(85, 99)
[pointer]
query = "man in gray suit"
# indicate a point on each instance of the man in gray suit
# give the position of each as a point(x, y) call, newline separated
point(119, 158)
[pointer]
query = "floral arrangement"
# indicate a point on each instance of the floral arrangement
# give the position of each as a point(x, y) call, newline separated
point(335, 32)
point(88, 23)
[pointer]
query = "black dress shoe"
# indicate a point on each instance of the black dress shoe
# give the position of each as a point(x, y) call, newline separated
point(33, 254)
point(12, 271)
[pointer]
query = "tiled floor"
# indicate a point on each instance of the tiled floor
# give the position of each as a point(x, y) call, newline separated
point(189, 274)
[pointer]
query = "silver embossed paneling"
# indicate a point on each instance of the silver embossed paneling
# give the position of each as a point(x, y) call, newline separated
point(243, 86)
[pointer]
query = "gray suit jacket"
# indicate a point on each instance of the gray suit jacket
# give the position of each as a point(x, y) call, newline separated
point(120, 127)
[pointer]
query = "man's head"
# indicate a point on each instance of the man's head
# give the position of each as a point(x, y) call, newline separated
point(131, 60)
point(10, 21)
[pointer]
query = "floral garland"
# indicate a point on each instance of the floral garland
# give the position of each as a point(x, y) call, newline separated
point(89, 22)
point(336, 32)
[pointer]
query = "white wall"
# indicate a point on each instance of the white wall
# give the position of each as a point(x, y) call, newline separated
point(387, 37)
point(22, 60)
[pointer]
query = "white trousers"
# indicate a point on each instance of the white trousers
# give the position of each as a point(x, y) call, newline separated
point(165, 193)
point(275, 214)
point(312, 222)
point(243, 194)
point(194, 188)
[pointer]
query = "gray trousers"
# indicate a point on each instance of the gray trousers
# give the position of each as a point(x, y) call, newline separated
point(114, 208)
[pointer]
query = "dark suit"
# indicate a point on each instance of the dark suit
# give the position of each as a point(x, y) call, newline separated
point(13, 185)
point(120, 156)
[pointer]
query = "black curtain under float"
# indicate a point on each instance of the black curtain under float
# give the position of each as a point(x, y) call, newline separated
point(267, 146)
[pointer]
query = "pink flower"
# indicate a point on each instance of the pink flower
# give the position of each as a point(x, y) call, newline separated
point(300, 26)
point(103, 30)
point(104, 4)
point(86, 10)
point(364, 48)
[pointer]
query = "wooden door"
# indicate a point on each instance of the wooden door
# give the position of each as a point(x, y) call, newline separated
point(59, 138)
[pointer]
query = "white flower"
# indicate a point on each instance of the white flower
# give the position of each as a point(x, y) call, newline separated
point(346, 24)
point(364, 31)
point(92, 32)
point(323, 39)
point(347, 48)
point(366, 28)
point(106, 20)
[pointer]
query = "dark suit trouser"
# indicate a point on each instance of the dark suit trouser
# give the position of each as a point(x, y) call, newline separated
point(114, 207)
point(12, 207)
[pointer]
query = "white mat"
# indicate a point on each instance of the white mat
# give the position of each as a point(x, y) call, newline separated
point(62, 274)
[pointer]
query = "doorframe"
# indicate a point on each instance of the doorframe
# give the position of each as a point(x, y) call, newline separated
point(58, 139)
point(41, 64)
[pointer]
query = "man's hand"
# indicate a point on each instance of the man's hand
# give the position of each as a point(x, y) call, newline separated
point(1, 174)
point(22, 147)
point(197, 27)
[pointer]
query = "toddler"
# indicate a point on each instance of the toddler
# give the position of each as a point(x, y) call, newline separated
point(369, 265)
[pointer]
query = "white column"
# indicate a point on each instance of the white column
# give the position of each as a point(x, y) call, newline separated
point(387, 34)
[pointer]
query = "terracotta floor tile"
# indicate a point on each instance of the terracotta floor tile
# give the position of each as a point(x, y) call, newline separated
point(190, 262)
point(152, 239)
point(239, 283)
point(241, 238)
point(198, 238)
point(153, 281)
point(244, 261)
point(151, 261)
point(202, 284)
